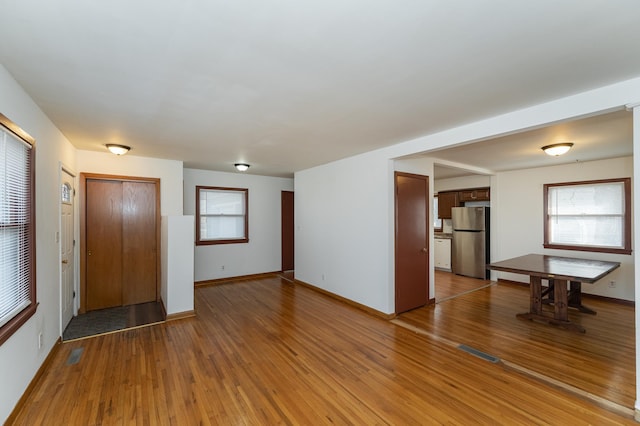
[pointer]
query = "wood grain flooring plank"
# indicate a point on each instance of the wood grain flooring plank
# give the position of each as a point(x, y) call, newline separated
point(267, 351)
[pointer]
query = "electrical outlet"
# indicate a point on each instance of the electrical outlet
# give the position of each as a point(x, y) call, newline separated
point(40, 340)
point(222, 267)
point(322, 277)
point(612, 284)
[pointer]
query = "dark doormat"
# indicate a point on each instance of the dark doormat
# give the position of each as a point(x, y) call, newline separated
point(112, 319)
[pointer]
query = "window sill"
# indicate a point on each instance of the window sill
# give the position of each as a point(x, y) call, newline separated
point(14, 325)
point(588, 249)
point(216, 242)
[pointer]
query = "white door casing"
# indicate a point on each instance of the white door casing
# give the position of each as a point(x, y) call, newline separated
point(67, 253)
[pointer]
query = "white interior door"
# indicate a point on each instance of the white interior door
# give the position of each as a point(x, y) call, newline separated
point(66, 249)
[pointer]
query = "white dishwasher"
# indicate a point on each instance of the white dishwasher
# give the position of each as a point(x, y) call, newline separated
point(442, 254)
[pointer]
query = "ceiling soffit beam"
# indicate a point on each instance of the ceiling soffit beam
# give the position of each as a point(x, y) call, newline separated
point(453, 164)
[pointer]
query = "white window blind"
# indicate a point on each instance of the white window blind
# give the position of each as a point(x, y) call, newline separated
point(222, 215)
point(591, 215)
point(15, 226)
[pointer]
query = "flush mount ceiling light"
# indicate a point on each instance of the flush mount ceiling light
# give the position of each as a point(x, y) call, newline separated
point(242, 167)
point(118, 149)
point(557, 148)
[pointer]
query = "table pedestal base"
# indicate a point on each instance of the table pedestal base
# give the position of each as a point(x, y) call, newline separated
point(558, 295)
point(574, 297)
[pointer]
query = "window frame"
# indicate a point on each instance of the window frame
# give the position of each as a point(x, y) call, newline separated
point(14, 324)
point(205, 242)
point(626, 232)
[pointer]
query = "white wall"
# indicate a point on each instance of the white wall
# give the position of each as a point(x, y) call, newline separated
point(177, 264)
point(343, 239)
point(169, 172)
point(263, 251)
point(519, 223)
point(20, 357)
point(462, 182)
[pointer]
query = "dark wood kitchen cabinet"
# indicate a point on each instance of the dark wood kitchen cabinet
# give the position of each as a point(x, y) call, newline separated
point(476, 194)
point(447, 200)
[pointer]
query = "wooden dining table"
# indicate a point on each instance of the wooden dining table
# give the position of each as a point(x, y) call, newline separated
point(558, 271)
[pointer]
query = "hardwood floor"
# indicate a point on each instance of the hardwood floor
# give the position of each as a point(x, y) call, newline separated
point(268, 351)
point(448, 285)
point(600, 362)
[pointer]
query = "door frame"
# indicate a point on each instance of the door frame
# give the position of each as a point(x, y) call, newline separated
point(62, 169)
point(83, 228)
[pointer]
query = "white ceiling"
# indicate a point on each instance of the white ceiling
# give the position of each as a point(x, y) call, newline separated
point(594, 138)
point(286, 84)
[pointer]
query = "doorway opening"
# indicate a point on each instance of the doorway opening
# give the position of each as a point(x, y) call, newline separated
point(67, 194)
point(288, 233)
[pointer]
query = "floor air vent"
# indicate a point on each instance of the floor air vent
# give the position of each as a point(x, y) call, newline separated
point(479, 354)
point(74, 357)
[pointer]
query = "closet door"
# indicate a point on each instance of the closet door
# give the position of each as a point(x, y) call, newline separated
point(120, 242)
point(139, 243)
point(104, 244)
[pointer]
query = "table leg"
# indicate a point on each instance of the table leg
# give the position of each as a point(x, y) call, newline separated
point(560, 306)
point(535, 302)
point(547, 294)
point(560, 300)
point(575, 298)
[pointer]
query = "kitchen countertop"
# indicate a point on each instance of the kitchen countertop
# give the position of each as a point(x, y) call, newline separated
point(443, 235)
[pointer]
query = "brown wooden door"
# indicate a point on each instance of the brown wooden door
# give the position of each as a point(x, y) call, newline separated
point(104, 244)
point(287, 231)
point(412, 241)
point(121, 242)
point(139, 242)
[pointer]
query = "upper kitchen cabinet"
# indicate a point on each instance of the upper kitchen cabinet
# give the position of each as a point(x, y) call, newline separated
point(476, 194)
point(447, 200)
point(450, 199)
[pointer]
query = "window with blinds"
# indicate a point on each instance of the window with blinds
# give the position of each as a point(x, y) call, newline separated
point(221, 215)
point(589, 216)
point(17, 226)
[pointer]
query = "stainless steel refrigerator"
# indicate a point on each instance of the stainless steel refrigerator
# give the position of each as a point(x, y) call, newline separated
point(470, 246)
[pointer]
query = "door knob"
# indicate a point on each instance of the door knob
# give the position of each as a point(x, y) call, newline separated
point(424, 249)
point(89, 252)
point(65, 261)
